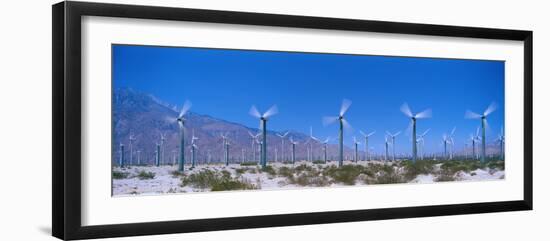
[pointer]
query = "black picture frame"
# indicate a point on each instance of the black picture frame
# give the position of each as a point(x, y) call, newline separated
point(66, 157)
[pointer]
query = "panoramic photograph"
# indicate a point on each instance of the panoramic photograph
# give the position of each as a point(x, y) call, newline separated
point(195, 120)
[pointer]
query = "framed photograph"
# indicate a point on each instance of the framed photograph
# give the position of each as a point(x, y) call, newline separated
point(172, 120)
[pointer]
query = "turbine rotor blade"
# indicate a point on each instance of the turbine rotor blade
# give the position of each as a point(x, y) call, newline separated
point(492, 107)
point(362, 133)
point(186, 106)
point(345, 106)
point(254, 112)
point(327, 120)
point(453, 131)
point(346, 125)
point(370, 134)
point(406, 110)
point(471, 115)
point(424, 114)
point(271, 112)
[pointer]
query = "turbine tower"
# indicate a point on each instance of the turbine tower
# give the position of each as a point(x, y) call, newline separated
point(225, 148)
point(254, 140)
point(421, 143)
point(132, 139)
point(367, 153)
point(500, 140)
point(157, 155)
point(343, 124)
point(283, 144)
point(386, 148)
point(356, 143)
point(294, 143)
point(424, 114)
point(138, 152)
point(263, 126)
point(181, 123)
point(121, 160)
point(474, 139)
point(483, 117)
point(193, 149)
point(451, 143)
point(392, 136)
point(325, 143)
point(310, 141)
point(162, 140)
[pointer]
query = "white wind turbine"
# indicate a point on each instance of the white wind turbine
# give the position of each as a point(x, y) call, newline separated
point(366, 136)
point(343, 124)
point(254, 139)
point(132, 139)
point(294, 143)
point(392, 136)
point(421, 115)
point(263, 126)
point(225, 149)
point(473, 140)
point(325, 143)
point(283, 144)
point(193, 149)
point(356, 143)
point(162, 140)
point(451, 143)
point(484, 124)
point(421, 143)
point(500, 140)
point(181, 122)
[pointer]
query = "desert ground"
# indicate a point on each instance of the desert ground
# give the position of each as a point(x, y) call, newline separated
point(148, 180)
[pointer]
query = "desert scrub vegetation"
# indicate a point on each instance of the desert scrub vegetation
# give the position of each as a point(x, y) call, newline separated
point(120, 175)
point(269, 170)
point(346, 174)
point(216, 181)
point(143, 175)
point(249, 164)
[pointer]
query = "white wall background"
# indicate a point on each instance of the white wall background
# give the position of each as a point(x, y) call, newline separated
point(25, 126)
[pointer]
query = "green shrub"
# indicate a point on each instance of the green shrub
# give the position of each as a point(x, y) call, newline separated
point(269, 170)
point(318, 162)
point(286, 172)
point(346, 174)
point(143, 175)
point(120, 175)
point(249, 164)
point(221, 181)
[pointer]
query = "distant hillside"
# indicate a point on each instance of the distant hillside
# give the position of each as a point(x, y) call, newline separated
point(146, 118)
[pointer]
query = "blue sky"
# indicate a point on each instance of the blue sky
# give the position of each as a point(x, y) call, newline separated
point(308, 86)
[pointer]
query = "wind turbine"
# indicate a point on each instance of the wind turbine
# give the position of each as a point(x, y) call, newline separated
point(225, 148)
point(138, 157)
point(420, 141)
point(193, 149)
point(386, 148)
point(343, 124)
point(500, 140)
point(451, 143)
point(254, 140)
point(157, 155)
point(263, 126)
point(472, 115)
point(325, 143)
point(181, 122)
point(444, 142)
point(310, 141)
point(367, 153)
point(294, 143)
point(132, 139)
point(283, 144)
point(121, 160)
point(356, 143)
point(474, 139)
point(392, 136)
point(162, 140)
point(422, 115)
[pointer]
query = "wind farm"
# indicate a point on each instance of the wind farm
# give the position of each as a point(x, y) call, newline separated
point(220, 146)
